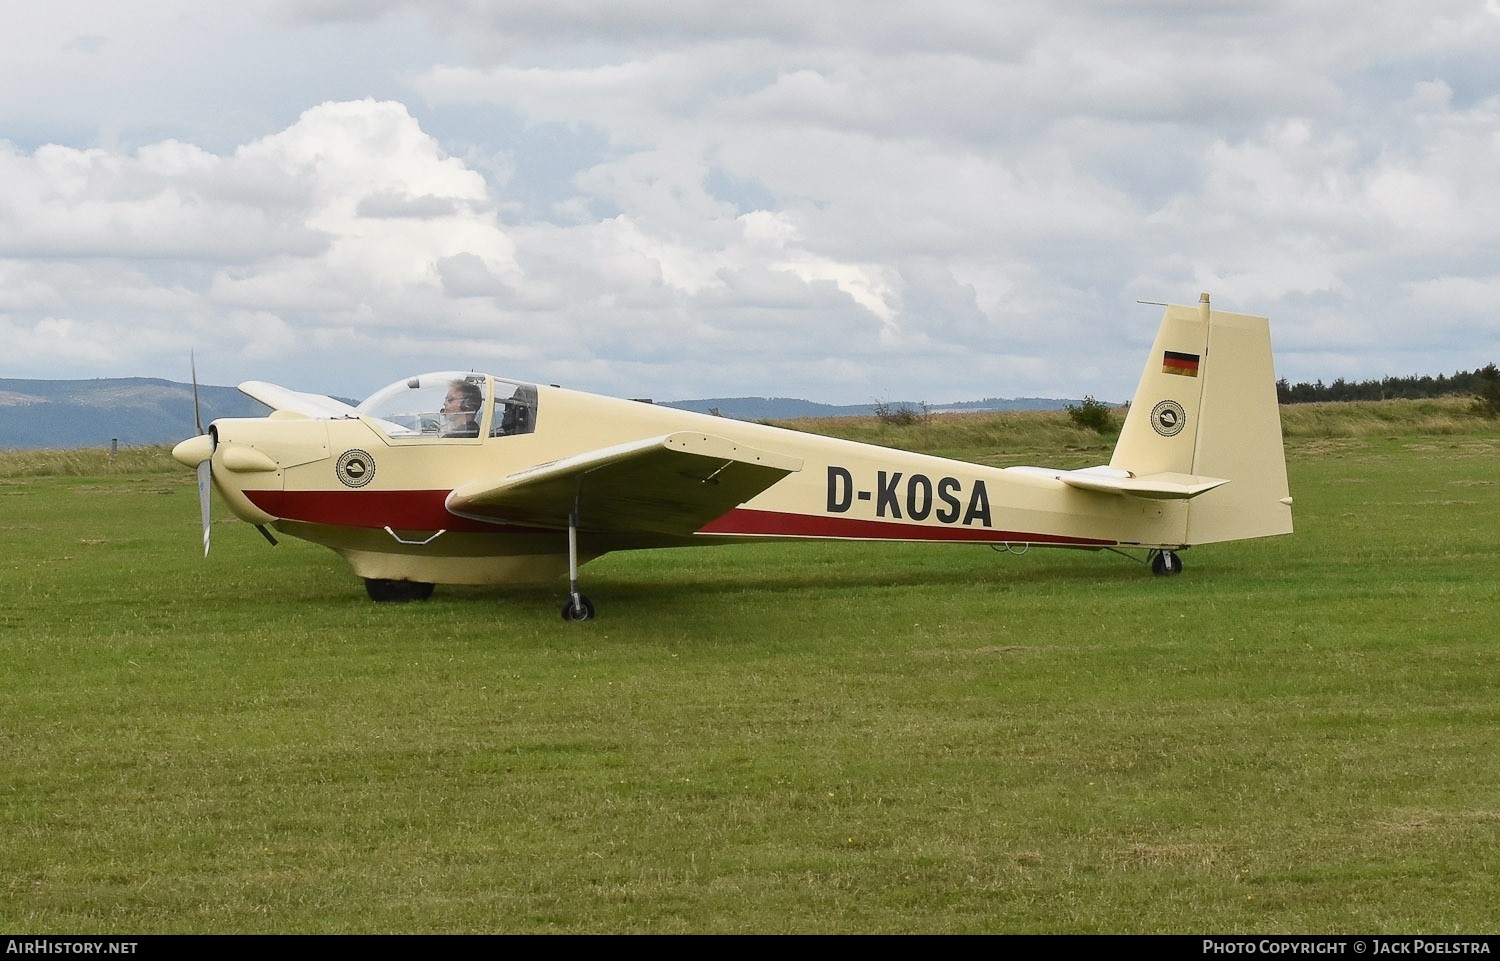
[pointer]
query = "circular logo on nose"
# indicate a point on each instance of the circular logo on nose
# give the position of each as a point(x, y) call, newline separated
point(1168, 418)
point(355, 468)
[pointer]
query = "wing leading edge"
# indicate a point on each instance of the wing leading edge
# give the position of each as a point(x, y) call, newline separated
point(295, 402)
point(671, 484)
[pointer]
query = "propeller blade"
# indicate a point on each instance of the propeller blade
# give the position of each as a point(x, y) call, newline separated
point(197, 413)
point(205, 480)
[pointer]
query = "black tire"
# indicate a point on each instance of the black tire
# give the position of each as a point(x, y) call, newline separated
point(396, 592)
point(1166, 564)
point(582, 611)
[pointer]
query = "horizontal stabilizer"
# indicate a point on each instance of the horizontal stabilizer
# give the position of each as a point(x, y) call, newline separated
point(1107, 480)
point(295, 401)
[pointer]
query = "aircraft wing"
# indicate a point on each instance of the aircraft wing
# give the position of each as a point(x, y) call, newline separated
point(1108, 480)
point(295, 401)
point(672, 484)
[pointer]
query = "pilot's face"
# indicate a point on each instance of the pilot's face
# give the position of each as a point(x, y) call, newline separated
point(456, 416)
point(453, 403)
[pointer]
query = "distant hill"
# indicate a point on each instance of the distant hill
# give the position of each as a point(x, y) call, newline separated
point(786, 408)
point(90, 413)
point(60, 414)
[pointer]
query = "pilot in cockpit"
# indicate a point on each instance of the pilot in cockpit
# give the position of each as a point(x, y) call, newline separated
point(461, 409)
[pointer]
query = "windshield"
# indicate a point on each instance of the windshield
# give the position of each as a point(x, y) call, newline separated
point(452, 405)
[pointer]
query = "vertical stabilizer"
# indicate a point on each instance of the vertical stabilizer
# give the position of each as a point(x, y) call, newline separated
point(1206, 406)
point(1160, 433)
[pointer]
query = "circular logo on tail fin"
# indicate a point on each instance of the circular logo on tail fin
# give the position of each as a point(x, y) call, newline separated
point(1168, 418)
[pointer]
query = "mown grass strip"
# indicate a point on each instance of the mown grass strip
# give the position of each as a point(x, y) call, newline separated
point(1296, 734)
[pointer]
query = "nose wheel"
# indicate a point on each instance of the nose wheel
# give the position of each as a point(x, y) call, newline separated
point(1165, 563)
point(396, 592)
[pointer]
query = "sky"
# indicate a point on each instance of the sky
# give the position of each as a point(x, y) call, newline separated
point(844, 201)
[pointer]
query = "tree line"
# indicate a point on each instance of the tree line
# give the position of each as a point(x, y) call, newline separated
point(1480, 383)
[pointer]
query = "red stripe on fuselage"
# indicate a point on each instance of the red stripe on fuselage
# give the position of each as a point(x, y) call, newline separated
point(744, 522)
point(425, 511)
point(398, 510)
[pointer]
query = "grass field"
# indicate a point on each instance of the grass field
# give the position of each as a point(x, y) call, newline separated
point(1296, 735)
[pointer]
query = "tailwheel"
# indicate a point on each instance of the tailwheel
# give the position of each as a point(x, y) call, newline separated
point(578, 608)
point(396, 592)
point(1166, 564)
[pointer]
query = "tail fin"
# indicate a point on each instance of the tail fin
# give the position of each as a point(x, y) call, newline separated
point(1206, 407)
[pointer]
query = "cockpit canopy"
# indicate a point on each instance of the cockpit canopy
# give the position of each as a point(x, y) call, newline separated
point(453, 405)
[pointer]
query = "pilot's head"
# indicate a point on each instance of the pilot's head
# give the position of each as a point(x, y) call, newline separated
point(462, 396)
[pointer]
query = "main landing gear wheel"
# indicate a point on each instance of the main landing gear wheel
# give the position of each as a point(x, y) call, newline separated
point(1166, 564)
point(397, 592)
point(578, 608)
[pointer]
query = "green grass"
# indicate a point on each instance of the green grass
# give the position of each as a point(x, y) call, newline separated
point(1297, 734)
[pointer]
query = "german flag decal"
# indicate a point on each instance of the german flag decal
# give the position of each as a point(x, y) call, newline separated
point(1174, 362)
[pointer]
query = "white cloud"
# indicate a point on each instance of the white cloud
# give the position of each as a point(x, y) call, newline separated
point(841, 200)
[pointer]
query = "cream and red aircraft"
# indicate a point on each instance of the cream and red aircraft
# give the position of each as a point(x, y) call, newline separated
point(464, 478)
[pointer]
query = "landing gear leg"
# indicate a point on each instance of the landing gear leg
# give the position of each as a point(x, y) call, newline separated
point(1165, 563)
point(578, 607)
